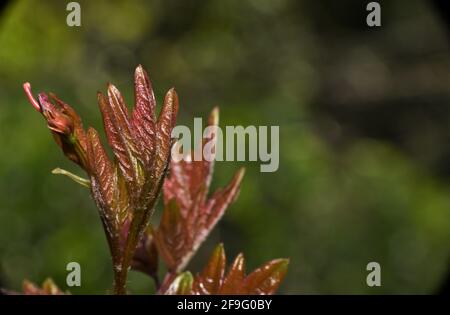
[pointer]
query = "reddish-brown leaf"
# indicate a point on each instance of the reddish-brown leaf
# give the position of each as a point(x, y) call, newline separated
point(125, 189)
point(200, 218)
point(264, 280)
point(142, 149)
point(103, 182)
point(221, 199)
point(188, 177)
point(169, 237)
point(209, 280)
point(64, 123)
point(165, 124)
point(143, 118)
point(232, 284)
point(77, 123)
point(188, 184)
point(267, 278)
point(120, 138)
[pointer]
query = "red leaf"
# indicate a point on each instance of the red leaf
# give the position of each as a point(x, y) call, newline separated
point(64, 123)
point(109, 192)
point(102, 170)
point(221, 199)
point(267, 278)
point(210, 279)
point(166, 122)
point(126, 189)
point(264, 280)
point(77, 123)
point(188, 184)
point(120, 138)
point(232, 283)
point(169, 237)
point(144, 120)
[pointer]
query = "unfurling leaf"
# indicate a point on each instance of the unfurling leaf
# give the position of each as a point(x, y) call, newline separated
point(64, 123)
point(212, 279)
point(233, 281)
point(120, 138)
point(209, 281)
point(267, 278)
point(193, 223)
point(141, 157)
point(125, 189)
point(189, 215)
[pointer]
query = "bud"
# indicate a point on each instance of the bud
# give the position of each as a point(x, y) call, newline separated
point(56, 120)
point(64, 123)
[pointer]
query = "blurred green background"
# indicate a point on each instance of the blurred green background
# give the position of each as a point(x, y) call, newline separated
point(364, 131)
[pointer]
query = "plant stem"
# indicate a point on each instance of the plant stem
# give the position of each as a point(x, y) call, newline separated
point(120, 281)
point(121, 269)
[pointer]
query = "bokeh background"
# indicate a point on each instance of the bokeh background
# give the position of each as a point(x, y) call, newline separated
point(364, 122)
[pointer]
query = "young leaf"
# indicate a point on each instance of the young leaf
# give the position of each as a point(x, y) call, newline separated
point(210, 279)
point(264, 280)
point(170, 235)
point(64, 123)
point(187, 187)
point(118, 132)
point(111, 198)
point(125, 189)
point(267, 278)
point(143, 117)
point(232, 283)
point(166, 122)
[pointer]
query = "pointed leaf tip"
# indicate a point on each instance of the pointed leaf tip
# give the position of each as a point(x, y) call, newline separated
point(175, 104)
point(31, 99)
point(267, 278)
point(213, 119)
point(220, 248)
point(209, 280)
point(233, 281)
point(139, 70)
point(240, 175)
